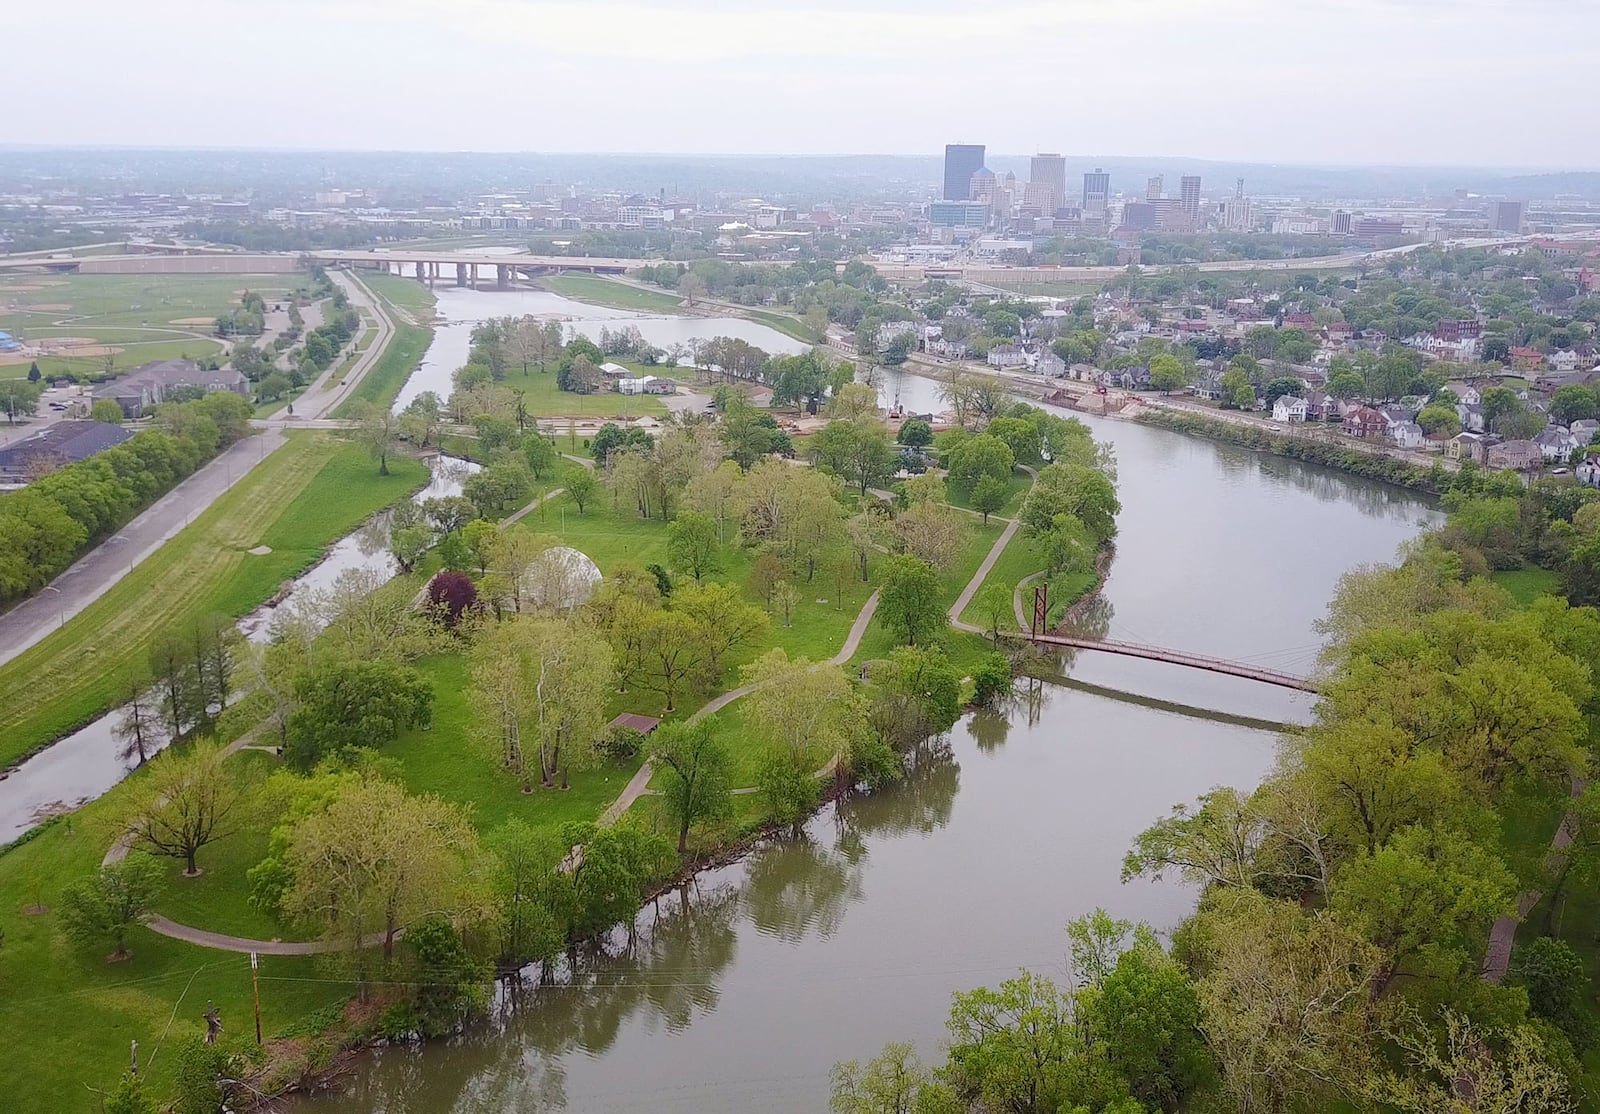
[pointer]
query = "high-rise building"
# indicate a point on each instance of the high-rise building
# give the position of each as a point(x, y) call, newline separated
point(1190, 193)
point(961, 162)
point(982, 185)
point(1506, 216)
point(1049, 171)
point(958, 214)
point(1096, 192)
point(1236, 215)
point(1154, 187)
point(1341, 222)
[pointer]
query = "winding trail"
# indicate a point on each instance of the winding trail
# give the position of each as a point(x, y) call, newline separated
point(999, 547)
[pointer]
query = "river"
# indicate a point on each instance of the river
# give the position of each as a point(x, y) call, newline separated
point(741, 994)
point(460, 309)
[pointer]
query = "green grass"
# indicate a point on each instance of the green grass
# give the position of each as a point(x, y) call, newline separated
point(71, 1014)
point(300, 500)
point(404, 293)
point(385, 378)
point(1527, 585)
point(788, 326)
point(544, 399)
point(597, 290)
point(1022, 558)
point(1016, 492)
point(880, 639)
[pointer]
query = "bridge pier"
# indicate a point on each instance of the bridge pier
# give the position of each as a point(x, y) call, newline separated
point(461, 274)
point(472, 270)
point(502, 277)
point(422, 272)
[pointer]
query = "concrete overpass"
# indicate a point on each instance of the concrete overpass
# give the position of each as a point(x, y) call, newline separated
point(430, 266)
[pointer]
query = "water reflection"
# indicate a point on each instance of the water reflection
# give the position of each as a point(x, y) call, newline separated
point(920, 802)
point(800, 888)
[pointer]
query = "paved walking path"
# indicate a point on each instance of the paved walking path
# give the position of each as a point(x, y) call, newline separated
point(639, 785)
point(1503, 936)
point(999, 547)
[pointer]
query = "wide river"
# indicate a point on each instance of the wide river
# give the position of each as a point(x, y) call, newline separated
point(740, 994)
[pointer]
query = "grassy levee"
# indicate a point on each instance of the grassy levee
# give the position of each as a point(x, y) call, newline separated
point(70, 1015)
point(1020, 559)
point(300, 500)
point(385, 378)
point(600, 291)
point(402, 293)
point(788, 326)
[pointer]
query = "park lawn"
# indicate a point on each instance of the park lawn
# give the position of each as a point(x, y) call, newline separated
point(746, 816)
point(1020, 559)
point(1016, 491)
point(545, 400)
point(401, 292)
point(300, 500)
point(880, 639)
point(127, 356)
point(71, 1015)
point(218, 899)
point(1527, 585)
point(598, 290)
point(140, 300)
point(445, 758)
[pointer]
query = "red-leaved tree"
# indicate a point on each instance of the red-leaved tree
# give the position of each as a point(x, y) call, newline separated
point(451, 593)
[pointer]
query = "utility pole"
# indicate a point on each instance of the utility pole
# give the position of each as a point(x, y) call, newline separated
point(255, 986)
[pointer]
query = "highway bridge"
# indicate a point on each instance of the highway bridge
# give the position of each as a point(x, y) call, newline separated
point(1178, 657)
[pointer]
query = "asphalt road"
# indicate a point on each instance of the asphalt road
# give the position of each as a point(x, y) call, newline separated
point(93, 574)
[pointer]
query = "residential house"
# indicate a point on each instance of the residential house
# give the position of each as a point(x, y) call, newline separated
point(1464, 392)
point(1394, 414)
point(888, 330)
point(1208, 385)
point(1007, 355)
point(1364, 421)
point(1588, 469)
point(149, 384)
point(1407, 435)
point(1466, 446)
point(1289, 408)
point(55, 446)
point(615, 371)
point(1050, 364)
point(1584, 429)
point(950, 349)
point(1132, 378)
point(1471, 416)
point(1520, 455)
point(1564, 359)
point(1556, 443)
point(1527, 358)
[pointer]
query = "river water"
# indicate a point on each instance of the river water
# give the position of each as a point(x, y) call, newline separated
point(86, 763)
point(460, 309)
point(740, 994)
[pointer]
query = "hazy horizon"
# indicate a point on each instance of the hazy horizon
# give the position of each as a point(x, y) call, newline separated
point(1402, 83)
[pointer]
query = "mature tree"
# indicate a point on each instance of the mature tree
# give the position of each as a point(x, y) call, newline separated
point(378, 429)
point(581, 485)
point(104, 906)
point(692, 544)
point(1145, 1015)
point(1345, 385)
point(1023, 435)
point(541, 454)
point(19, 398)
point(857, 449)
point(1013, 1048)
point(916, 434)
point(1499, 401)
point(610, 877)
point(972, 458)
point(1437, 418)
point(376, 860)
point(1068, 545)
point(910, 599)
point(675, 650)
point(808, 715)
point(696, 769)
point(1279, 387)
point(532, 894)
point(893, 1082)
point(183, 804)
point(914, 694)
point(136, 730)
point(855, 400)
point(1505, 1071)
point(1078, 490)
point(726, 620)
point(1574, 401)
point(933, 532)
point(451, 594)
point(1168, 374)
point(354, 704)
point(449, 513)
point(106, 410)
point(409, 544)
point(1496, 349)
point(504, 484)
point(421, 419)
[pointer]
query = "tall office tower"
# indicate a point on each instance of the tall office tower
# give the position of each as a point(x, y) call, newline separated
point(1190, 193)
point(1341, 222)
point(961, 162)
point(1506, 216)
point(1154, 187)
point(1096, 191)
point(1050, 172)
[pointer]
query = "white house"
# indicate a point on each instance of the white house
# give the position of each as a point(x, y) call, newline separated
point(1584, 430)
point(1050, 364)
point(1564, 359)
point(1588, 469)
point(1465, 393)
point(1556, 443)
point(1007, 355)
point(1289, 408)
point(1407, 435)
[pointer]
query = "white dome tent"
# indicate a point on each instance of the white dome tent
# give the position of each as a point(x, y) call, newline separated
point(560, 579)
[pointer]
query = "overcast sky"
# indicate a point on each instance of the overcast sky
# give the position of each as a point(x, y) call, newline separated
point(1460, 82)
